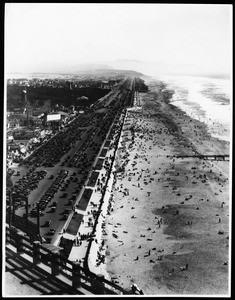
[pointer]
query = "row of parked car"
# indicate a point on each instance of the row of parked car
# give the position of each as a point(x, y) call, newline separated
point(49, 194)
point(26, 184)
point(51, 152)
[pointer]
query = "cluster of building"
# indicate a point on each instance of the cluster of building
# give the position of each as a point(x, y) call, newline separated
point(71, 83)
point(26, 133)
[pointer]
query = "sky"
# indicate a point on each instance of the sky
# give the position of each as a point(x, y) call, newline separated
point(41, 37)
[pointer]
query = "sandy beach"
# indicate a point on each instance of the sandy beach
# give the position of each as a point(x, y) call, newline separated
point(168, 226)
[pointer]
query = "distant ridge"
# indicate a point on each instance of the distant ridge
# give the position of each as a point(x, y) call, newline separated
point(127, 66)
point(117, 71)
point(159, 68)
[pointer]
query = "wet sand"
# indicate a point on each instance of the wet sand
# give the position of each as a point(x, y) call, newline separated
point(168, 226)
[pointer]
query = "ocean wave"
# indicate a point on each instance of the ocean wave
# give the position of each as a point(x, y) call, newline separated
point(215, 94)
point(204, 99)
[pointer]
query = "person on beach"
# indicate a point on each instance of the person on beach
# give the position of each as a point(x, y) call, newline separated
point(159, 224)
point(134, 289)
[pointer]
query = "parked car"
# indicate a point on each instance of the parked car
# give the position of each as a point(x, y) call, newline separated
point(34, 213)
point(65, 216)
point(48, 240)
point(53, 208)
point(48, 223)
point(52, 231)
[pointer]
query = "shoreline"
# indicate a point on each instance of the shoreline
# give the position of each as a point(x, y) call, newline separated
point(207, 109)
point(157, 188)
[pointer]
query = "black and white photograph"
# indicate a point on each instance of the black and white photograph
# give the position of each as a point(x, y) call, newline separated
point(117, 150)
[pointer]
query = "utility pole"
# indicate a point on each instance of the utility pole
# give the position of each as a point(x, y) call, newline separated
point(38, 219)
point(26, 105)
point(10, 185)
point(27, 209)
point(13, 212)
point(9, 208)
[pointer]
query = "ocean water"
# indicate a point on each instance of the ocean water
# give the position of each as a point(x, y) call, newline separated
point(205, 99)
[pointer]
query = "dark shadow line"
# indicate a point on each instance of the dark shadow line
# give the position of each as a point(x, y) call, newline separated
point(47, 286)
point(43, 276)
point(27, 268)
point(31, 285)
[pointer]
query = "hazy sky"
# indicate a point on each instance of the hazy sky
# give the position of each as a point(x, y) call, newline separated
point(43, 36)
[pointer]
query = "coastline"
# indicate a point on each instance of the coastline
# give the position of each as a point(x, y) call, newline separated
point(167, 212)
point(204, 99)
